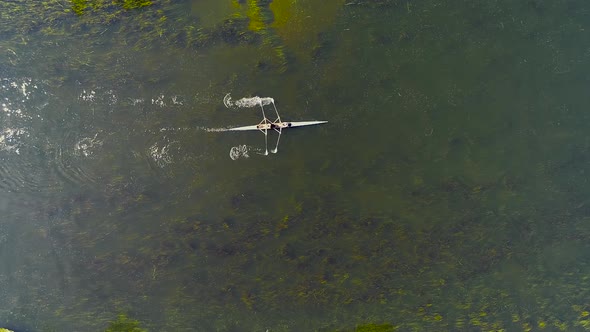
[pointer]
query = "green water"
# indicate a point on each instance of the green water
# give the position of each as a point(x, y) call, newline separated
point(448, 192)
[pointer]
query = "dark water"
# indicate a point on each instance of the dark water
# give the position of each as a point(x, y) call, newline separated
point(447, 192)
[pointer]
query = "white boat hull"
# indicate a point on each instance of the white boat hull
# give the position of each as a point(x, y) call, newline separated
point(283, 125)
point(254, 127)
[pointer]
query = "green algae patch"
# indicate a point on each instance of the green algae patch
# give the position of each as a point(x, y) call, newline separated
point(372, 327)
point(258, 17)
point(299, 23)
point(288, 27)
point(375, 328)
point(79, 7)
point(282, 11)
point(5, 330)
point(124, 324)
point(133, 4)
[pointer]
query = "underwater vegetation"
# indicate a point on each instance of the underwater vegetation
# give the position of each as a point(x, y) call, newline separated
point(124, 324)
point(79, 6)
point(131, 25)
point(366, 328)
point(132, 4)
point(260, 18)
point(375, 328)
point(263, 23)
point(76, 31)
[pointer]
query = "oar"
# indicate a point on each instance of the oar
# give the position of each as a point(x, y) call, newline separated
point(276, 149)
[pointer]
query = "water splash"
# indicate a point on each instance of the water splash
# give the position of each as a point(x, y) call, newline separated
point(98, 95)
point(10, 139)
point(177, 100)
point(86, 145)
point(136, 101)
point(22, 163)
point(15, 93)
point(88, 96)
point(247, 102)
point(162, 152)
point(159, 101)
point(23, 86)
point(237, 152)
point(243, 151)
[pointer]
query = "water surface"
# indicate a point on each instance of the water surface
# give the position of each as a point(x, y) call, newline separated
point(447, 192)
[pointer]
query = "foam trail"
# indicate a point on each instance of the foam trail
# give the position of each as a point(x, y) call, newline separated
point(214, 130)
point(247, 102)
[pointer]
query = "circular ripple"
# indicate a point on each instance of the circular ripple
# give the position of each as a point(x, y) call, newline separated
point(24, 172)
point(11, 180)
point(74, 156)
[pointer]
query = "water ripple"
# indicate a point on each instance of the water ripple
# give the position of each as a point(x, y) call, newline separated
point(20, 165)
point(24, 172)
point(74, 158)
point(40, 150)
point(49, 141)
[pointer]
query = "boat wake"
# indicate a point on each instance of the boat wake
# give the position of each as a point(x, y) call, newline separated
point(207, 129)
point(214, 130)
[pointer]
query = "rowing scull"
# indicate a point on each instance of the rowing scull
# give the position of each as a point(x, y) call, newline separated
point(277, 125)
